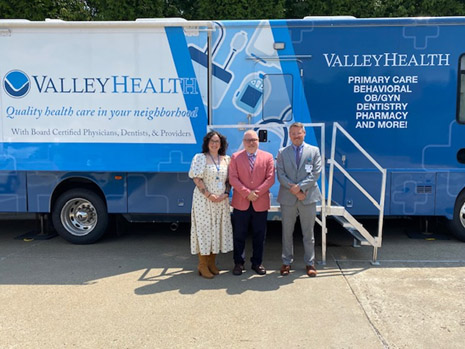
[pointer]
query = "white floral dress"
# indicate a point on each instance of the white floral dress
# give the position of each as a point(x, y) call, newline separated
point(211, 229)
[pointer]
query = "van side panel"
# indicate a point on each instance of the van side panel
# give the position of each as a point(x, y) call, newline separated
point(13, 191)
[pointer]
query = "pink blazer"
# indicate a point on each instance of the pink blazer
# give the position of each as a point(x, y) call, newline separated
point(243, 180)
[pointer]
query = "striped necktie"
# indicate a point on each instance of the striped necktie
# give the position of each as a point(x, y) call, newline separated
point(251, 161)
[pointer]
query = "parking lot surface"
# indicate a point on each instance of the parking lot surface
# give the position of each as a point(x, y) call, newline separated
point(142, 290)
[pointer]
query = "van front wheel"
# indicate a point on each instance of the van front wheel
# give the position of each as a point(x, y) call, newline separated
point(458, 222)
point(80, 216)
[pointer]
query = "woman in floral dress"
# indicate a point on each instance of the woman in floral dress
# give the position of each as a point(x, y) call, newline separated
point(211, 229)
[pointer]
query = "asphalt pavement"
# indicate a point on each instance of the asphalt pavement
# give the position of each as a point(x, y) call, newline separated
point(142, 290)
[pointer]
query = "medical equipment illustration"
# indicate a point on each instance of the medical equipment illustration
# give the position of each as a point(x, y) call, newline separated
point(222, 76)
point(250, 94)
point(260, 46)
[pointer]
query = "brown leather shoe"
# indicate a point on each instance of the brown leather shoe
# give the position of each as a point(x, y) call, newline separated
point(311, 271)
point(238, 269)
point(259, 269)
point(285, 270)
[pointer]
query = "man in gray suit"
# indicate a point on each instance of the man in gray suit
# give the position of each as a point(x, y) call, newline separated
point(299, 167)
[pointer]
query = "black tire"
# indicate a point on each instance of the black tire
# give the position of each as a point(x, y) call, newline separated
point(80, 216)
point(458, 222)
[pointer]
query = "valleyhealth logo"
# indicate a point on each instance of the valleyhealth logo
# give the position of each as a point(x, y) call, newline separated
point(16, 83)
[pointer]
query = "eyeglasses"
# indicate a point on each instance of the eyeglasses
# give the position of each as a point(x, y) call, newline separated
point(214, 141)
point(250, 140)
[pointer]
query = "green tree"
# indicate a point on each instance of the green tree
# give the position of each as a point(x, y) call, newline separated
point(240, 9)
point(301, 8)
point(180, 8)
point(374, 8)
point(125, 10)
point(113, 10)
point(259, 9)
point(38, 10)
point(82, 10)
point(416, 8)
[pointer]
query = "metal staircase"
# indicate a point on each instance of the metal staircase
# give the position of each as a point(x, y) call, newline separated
point(361, 235)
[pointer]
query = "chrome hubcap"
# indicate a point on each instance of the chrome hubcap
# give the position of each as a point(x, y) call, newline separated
point(79, 216)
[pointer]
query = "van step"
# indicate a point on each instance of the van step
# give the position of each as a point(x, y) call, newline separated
point(352, 230)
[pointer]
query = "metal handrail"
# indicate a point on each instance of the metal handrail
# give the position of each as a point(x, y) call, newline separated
point(379, 205)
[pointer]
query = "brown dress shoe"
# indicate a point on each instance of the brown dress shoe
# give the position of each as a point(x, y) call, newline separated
point(285, 269)
point(311, 271)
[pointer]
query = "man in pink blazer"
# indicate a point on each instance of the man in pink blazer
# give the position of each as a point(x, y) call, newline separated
point(251, 174)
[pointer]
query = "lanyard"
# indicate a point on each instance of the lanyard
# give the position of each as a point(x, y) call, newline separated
point(217, 166)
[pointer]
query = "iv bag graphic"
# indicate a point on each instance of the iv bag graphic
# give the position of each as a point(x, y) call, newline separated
point(261, 46)
point(222, 77)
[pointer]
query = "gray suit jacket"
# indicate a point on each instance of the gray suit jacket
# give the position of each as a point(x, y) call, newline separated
point(306, 176)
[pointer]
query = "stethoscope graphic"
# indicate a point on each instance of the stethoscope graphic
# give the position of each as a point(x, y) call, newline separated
point(222, 76)
point(280, 130)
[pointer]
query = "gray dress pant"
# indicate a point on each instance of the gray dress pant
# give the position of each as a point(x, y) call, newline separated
point(307, 215)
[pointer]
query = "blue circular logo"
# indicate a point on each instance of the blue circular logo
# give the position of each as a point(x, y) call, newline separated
point(16, 83)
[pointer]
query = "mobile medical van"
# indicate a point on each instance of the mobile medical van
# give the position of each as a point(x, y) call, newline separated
point(102, 118)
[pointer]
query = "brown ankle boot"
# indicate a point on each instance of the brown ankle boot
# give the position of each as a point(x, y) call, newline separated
point(212, 265)
point(203, 267)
